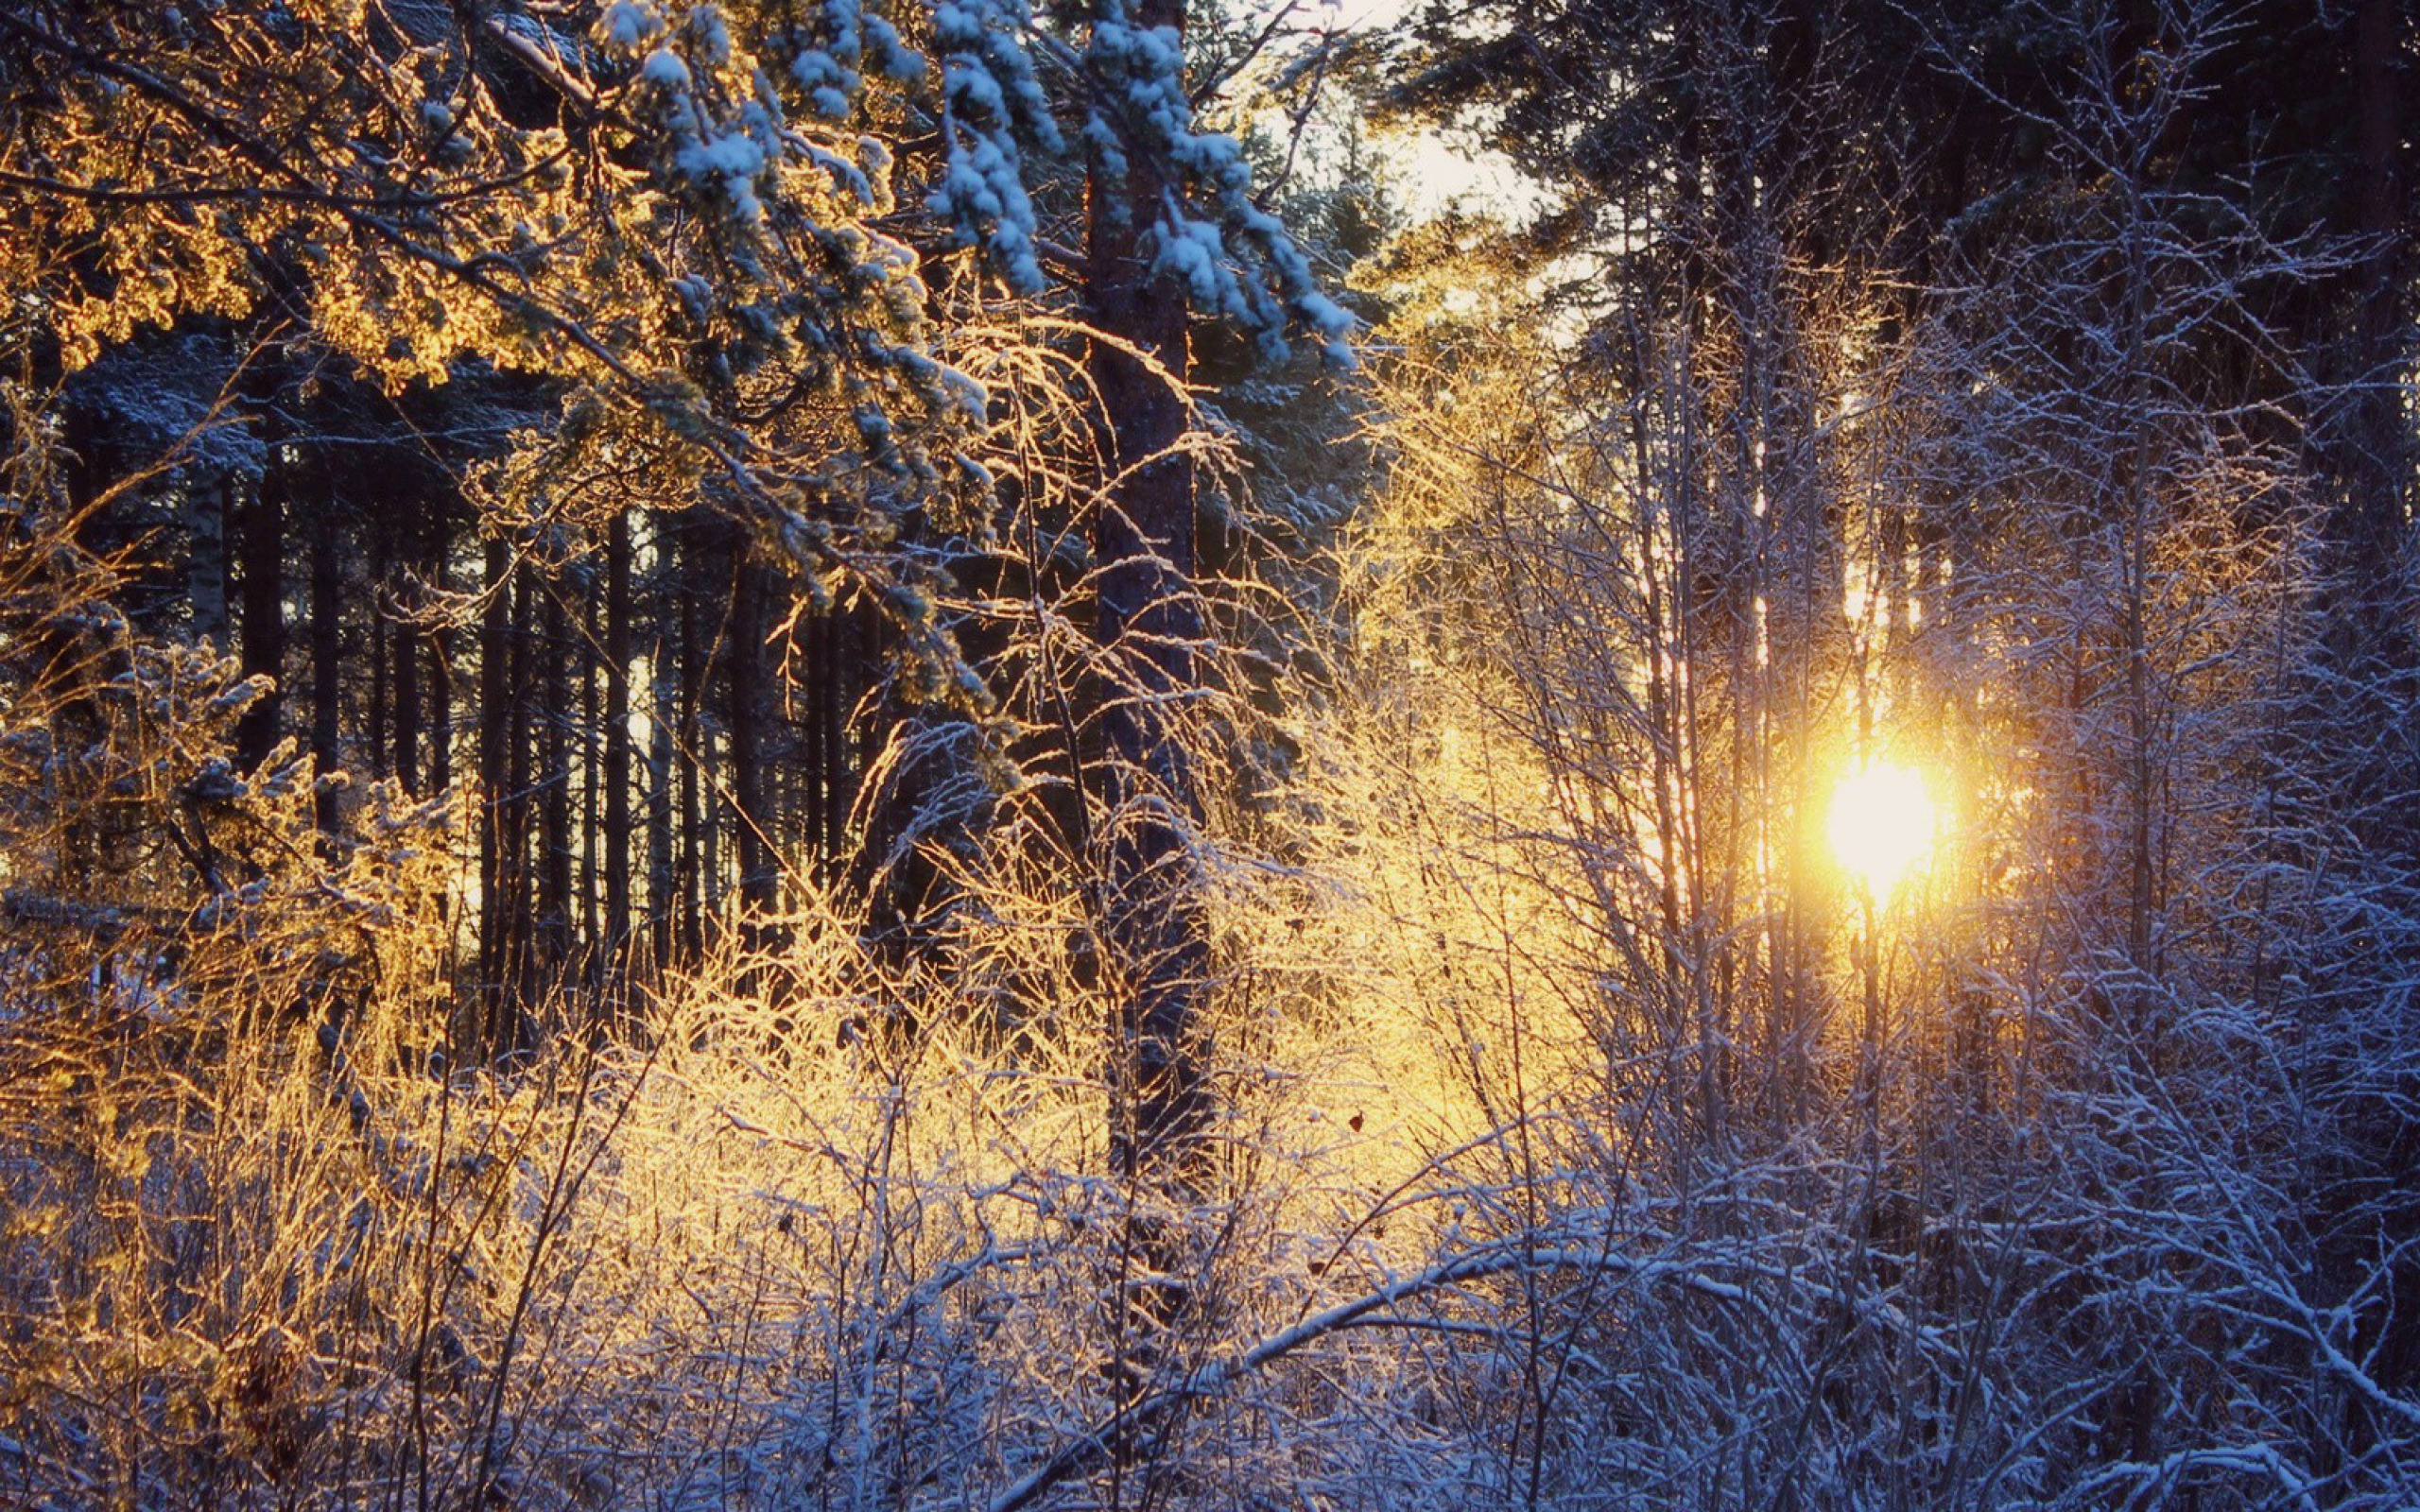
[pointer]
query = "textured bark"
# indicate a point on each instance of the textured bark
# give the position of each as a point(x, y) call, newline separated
point(1154, 936)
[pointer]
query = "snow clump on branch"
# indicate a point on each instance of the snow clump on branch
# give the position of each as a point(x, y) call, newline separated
point(993, 108)
point(1263, 278)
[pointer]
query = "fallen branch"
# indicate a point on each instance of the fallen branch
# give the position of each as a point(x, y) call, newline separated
point(1087, 1450)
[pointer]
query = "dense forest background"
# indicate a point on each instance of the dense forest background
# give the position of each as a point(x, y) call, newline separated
point(796, 753)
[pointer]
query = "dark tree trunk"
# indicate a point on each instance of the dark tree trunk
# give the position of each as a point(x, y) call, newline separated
point(262, 651)
point(662, 862)
point(759, 890)
point(832, 744)
point(830, 807)
point(2384, 653)
point(327, 654)
point(499, 868)
point(806, 793)
point(2374, 524)
point(1155, 951)
point(378, 626)
point(77, 661)
point(208, 514)
point(440, 646)
point(618, 732)
point(663, 812)
point(519, 808)
point(689, 879)
point(407, 645)
point(592, 799)
point(552, 718)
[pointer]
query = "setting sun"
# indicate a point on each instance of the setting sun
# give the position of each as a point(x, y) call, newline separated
point(1882, 824)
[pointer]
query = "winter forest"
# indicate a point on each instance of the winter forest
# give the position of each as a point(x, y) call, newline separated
point(1261, 755)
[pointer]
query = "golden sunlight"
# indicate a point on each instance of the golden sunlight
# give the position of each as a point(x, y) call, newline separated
point(1882, 823)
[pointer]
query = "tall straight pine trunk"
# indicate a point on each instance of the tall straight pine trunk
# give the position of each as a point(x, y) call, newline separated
point(328, 646)
point(1154, 945)
point(262, 650)
point(617, 735)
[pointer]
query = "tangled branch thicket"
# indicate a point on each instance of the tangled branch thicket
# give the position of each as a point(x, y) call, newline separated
point(1548, 1169)
point(1357, 1015)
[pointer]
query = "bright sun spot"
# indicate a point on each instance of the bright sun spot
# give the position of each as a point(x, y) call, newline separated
point(1881, 825)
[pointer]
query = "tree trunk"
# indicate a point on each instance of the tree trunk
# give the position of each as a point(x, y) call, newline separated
point(2376, 525)
point(263, 654)
point(441, 658)
point(552, 718)
point(591, 799)
point(812, 642)
point(378, 626)
point(618, 732)
point(518, 807)
point(327, 654)
point(662, 890)
point(208, 512)
point(498, 871)
point(759, 879)
point(689, 873)
point(406, 640)
point(1154, 936)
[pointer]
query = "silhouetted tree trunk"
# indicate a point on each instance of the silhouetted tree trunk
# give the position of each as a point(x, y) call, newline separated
point(377, 628)
point(689, 753)
point(498, 908)
point(827, 745)
point(263, 654)
point(441, 661)
point(406, 642)
point(831, 745)
point(327, 651)
point(662, 811)
point(209, 512)
point(618, 732)
point(517, 715)
point(1155, 941)
point(2375, 530)
point(551, 718)
point(592, 805)
point(2377, 537)
point(759, 890)
point(72, 677)
point(1151, 946)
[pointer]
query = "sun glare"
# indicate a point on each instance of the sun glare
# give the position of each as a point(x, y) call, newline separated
point(1881, 825)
